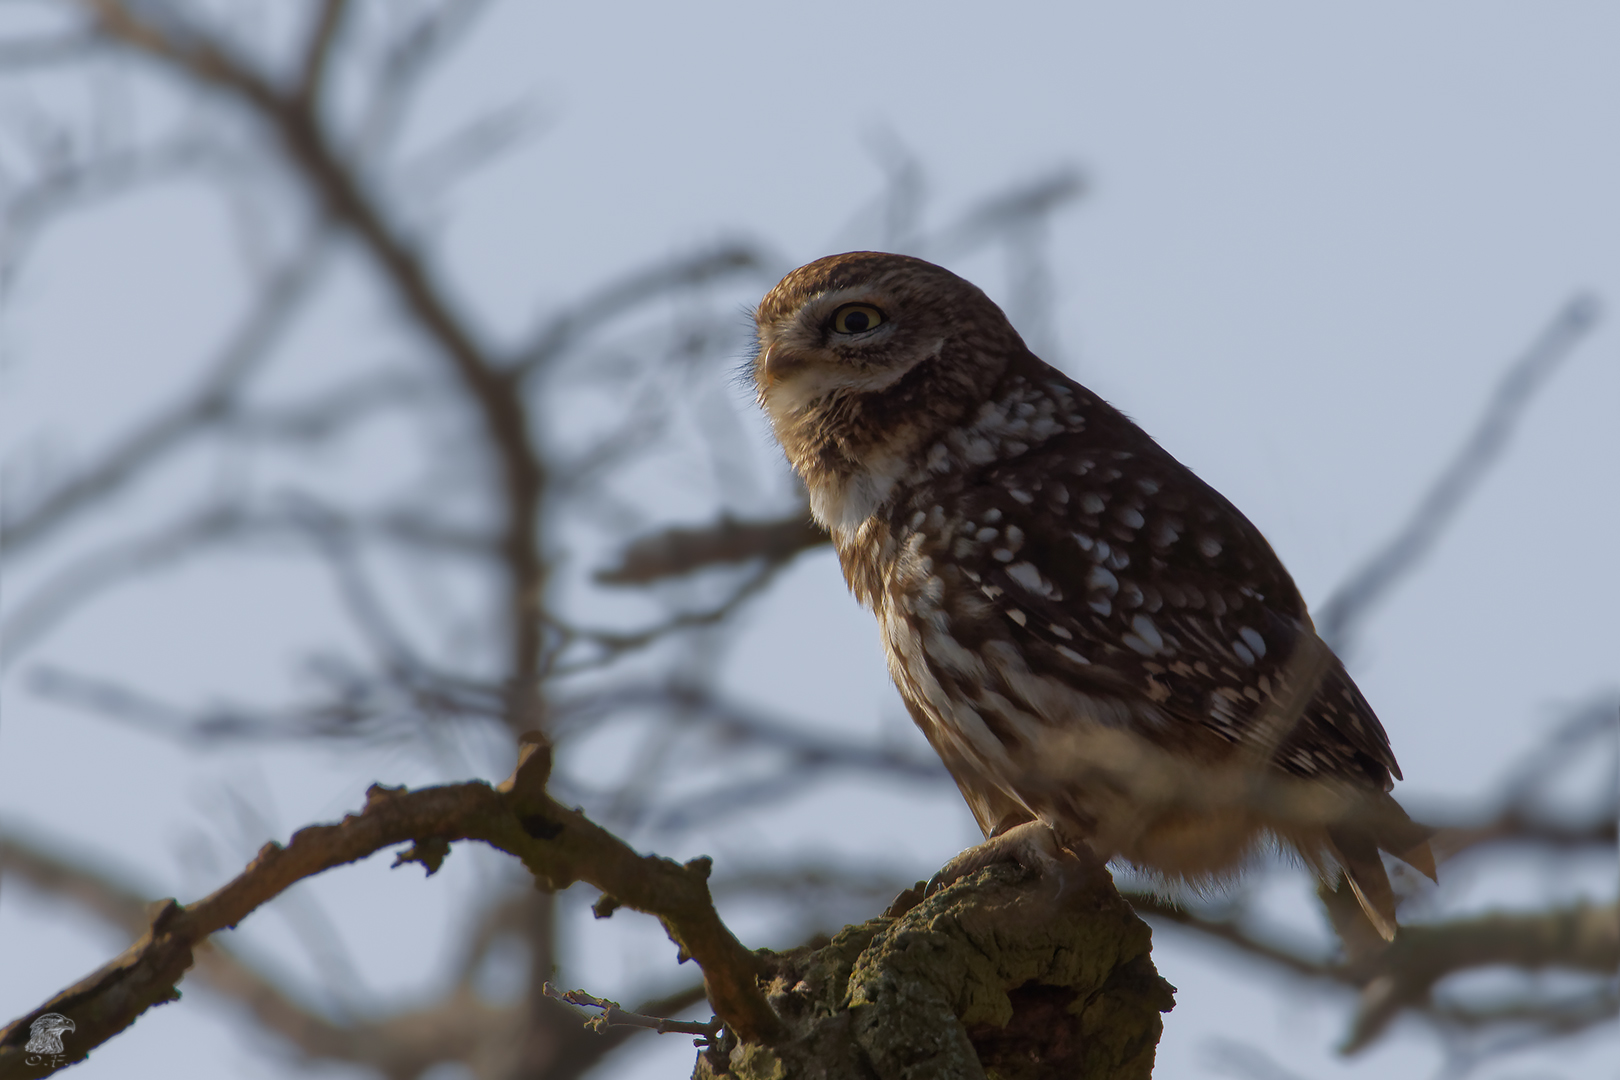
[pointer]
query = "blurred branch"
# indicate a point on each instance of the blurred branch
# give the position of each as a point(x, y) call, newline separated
point(19, 54)
point(245, 352)
point(463, 151)
point(996, 216)
point(736, 724)
point(84, 577)
point(613, 644)
point(332, 409)
point(634, 290)
point(559, 846)
point(298, 516)
point(331, 182)
point(1578, 938)
point(407, 60)
point(1338, 618)
point(319, 51)
point(1403, 976)
point(360, 705)
point(66, 181)
point(112, 901)
point(674, 552)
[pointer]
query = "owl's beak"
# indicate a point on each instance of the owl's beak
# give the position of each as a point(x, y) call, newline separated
point(777, 364)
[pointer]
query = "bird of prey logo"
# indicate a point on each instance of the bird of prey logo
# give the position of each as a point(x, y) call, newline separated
point(45, 1034)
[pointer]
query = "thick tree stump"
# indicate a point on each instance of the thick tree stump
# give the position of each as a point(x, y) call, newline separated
point(1006, 975)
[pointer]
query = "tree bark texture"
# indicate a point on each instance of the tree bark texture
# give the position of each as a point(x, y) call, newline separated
point(1006, 975)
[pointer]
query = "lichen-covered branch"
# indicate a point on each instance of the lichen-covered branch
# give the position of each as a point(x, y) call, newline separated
point(1006, 973)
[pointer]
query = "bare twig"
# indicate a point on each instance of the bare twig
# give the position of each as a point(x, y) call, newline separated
point(614, 1016)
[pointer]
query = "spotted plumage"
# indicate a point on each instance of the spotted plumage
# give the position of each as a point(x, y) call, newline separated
point(1089, 635)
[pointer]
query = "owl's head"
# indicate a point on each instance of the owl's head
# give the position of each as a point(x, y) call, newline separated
point(869, 351)
point(865, 359)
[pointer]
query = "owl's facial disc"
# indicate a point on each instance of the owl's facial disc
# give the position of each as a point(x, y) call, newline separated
point(845, 341)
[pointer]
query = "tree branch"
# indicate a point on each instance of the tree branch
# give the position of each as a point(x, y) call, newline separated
point(559, 846)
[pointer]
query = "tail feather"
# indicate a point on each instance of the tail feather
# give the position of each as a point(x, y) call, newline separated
point(1357, 853)
point(1356, 845)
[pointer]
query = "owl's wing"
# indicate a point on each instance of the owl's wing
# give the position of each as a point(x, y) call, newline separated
point(1119, 570)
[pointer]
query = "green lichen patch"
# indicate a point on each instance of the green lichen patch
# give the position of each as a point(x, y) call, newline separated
point(1006, 974)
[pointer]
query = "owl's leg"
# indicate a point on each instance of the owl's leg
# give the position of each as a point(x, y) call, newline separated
point(1032, 845)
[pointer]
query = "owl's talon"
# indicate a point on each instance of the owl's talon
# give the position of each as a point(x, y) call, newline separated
point(1031, 845)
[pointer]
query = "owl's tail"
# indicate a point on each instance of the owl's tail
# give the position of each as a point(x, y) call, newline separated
point(1355, 844)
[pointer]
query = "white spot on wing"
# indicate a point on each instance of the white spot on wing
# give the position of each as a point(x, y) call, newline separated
point(1210, 546)
point(1030, 578)
point(1148, 632)
point(1253, 640)
point(1017, 616)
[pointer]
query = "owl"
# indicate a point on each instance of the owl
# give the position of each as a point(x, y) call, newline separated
point(1106, 654)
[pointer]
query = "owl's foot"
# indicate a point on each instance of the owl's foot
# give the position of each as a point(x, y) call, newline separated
point(1032, 845)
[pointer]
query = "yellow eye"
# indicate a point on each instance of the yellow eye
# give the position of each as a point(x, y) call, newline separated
point(856, 318)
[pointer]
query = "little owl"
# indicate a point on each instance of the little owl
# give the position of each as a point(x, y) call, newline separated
point(1108, 657)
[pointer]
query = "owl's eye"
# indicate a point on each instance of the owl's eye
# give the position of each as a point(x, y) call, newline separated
point(856, 318)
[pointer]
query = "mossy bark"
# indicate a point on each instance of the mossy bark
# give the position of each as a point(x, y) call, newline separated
point(1005, 975)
